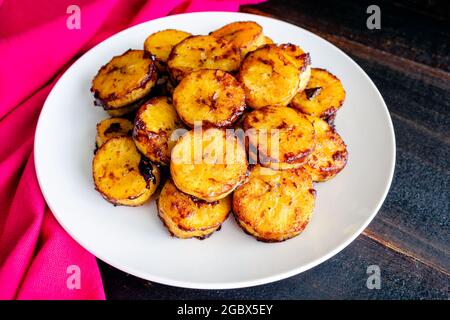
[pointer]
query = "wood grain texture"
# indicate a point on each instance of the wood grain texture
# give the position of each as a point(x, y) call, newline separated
point(409, 61)
point(405, 31)
point(342, 277)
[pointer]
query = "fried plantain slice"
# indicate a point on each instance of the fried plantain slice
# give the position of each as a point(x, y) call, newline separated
point(112, 127)
point(282, 137)
point(122, 175)
point(124, 80)
point(153, 126)
point(330, 154)
point(302, 60)
point(274, 205)
point(322, 97)
point(208, 164)
point(245, 35)
point(269, 77)
point(202, 52)
point(213, 97)
point(160, 44)
point(186, 216)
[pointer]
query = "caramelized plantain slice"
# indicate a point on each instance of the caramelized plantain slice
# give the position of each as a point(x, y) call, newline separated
point(186, 216)
point(202, 52)
point(245, 35)
point(213, 97)
point(122, 175)
point(282, 137)
point(112, 127)
point(274, 205)
point(124, 80)
point(160, 44)
point(330, 154)
point(154, 124)
point(269, 77)
point(322, 97)
point(208, 164)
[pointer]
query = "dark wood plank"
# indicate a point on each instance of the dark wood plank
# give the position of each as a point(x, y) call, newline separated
point(438, 10)
point(342, 277)
point(406, 31)
point(415, 217)
point(426, 102)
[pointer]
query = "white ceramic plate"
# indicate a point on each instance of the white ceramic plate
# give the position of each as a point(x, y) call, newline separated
point(134, 239)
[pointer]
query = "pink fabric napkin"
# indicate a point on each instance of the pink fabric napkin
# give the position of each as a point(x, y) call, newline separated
point(38, 259)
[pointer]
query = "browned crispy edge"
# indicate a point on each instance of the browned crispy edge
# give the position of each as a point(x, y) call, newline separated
point(237, 112)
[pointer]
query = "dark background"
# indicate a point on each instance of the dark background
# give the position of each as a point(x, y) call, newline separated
point(408, 59)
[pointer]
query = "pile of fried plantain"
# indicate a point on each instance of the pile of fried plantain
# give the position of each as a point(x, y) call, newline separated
point(171, 106)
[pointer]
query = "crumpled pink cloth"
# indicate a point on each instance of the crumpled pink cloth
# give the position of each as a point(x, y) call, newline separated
point(36, 46)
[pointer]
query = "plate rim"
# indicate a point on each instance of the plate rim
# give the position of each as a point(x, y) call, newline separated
point(236, 284)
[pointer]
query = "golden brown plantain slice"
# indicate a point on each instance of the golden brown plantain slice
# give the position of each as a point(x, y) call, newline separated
point(269, 77)
point(282, 137)
point(112, 127)
point(245, 35)
point(186, 216)
point(122, 175)
point(302, 60)
point(125, 79)
point(208, 164)
point(160, 44)
point(274, 205)
point(212, 97)
point(202, 52)
point(322, 97)
point(154, 124)
point(330, 154)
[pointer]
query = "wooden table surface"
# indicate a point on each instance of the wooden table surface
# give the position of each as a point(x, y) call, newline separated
point(408, 59)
